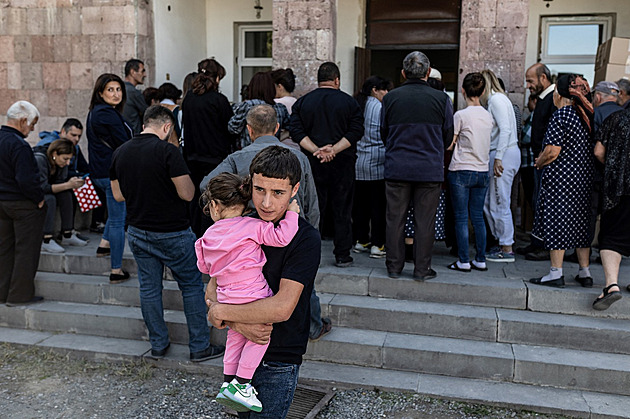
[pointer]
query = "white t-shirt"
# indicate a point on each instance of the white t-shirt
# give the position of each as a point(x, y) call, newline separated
point(473, 126)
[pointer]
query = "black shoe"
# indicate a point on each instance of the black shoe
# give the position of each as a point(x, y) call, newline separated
point(155, 354)
point(33, 300)
point(429, 275)
point(558, 283)
point(326, 328)
point(393, 275)
point(103, 251)
point(118, 278)
point(344, 261)
point(525, 250)
point(97, 229)
point(609, 297)
point(585, 282)
point(538, 255)
point(213, 351)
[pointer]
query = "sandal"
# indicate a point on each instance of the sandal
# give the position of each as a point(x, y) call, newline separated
point(477, 268)
point(609, 297)
point(453, 266)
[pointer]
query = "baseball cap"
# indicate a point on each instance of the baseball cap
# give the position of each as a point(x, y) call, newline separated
point(607, 87)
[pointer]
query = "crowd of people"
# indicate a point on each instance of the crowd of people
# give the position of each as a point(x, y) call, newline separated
point(365, 170)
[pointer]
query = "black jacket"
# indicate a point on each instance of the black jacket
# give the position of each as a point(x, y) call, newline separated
point(106, 131)
point(19, 175)
point(542, 114)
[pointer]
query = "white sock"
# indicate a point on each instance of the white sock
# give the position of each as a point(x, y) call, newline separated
point(462, 265)
point(554, 273)
point(584, 272)
point(480, 265)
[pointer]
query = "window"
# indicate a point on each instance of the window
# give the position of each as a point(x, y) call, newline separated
point(254, 53)
point(569, 43)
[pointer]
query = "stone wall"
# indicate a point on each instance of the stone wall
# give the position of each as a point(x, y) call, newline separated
point(494, 36)
point(303, 38)
point(52, 51)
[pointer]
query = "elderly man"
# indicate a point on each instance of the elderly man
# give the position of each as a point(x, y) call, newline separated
point(22, 209)
point(624, 93)
point(135, 73)
point(416, 127)
point(327, 123)
point(261, 125)
point(613, 150)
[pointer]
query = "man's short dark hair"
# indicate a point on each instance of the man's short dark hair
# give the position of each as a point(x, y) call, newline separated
point(328, 72)
point(158, 115)
point(278, 163)
point(133, 64)
point(474, 84)
point(624, 85)
point(71, 122)
point(262, 119)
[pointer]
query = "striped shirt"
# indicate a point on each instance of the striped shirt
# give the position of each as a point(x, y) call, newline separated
point(370, 163)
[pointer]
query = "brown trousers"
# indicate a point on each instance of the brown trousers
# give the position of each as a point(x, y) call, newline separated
point(21, 229)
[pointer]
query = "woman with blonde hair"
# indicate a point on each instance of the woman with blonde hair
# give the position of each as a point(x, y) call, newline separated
point(505, 160)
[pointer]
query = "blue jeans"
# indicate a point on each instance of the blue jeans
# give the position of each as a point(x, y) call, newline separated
point(115, 227)
point(275, 383)
point(468, 193)
point(176, 250)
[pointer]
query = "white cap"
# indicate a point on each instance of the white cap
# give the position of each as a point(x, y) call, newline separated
point(435, 73)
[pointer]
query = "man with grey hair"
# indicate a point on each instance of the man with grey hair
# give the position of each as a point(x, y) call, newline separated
point(262, 123)
point(624, 93)
point(22, 209)
point(416, 127)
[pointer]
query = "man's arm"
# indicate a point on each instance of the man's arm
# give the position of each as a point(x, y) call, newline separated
point(227, 165)
point(118, 196)
point(184, 186)
point(600, 152)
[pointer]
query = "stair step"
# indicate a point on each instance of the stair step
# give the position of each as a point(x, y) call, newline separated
point(475, 359)
point(548, 400)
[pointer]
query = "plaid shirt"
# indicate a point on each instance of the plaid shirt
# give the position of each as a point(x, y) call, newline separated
point(527, 156)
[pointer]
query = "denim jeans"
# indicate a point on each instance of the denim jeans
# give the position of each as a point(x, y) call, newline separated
point(468, 193)
point(275, 383)
point(176, 250)
point(115, 226)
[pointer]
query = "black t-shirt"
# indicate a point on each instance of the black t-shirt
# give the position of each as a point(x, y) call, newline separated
point(144, 167)
point(298, 261)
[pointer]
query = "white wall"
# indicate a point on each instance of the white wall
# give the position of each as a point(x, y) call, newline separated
point(180, 39)
point(220, 18)
point(573, 7)
point(350, 34)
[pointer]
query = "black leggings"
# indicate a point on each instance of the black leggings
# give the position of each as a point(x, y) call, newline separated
point(64, 201)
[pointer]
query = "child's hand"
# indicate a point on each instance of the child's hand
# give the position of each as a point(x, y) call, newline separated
point(293, 206)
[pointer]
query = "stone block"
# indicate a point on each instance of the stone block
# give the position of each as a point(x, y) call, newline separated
point(22, 49)
point(297, 16)
point(70, 19)
point(81, 76)
point(325, 45)
point(103, 67)
point(515, 42)
point(46, 3)
point(49, 262)
point(280, 15)
point(487, 13)
point(512, 14)
point(64, 3)
point(97, 347)
point(91, 21)
point(490, 41)
point(470, 45)
point(470, 14)
point(4, 83)
point(304, 44)
point(81, 48)
point(103, 48)
point(129, 18)
point(349, 346)
point(42, 47)
point(62, 48)
point(143, 23)
point(22, 337)
point(15, 21)
point(14, 76)
point(7, 49)
point(42, 22)
point(57, 103)
point(39, 98)
point(60, 287)
point(32, 76)
point(113, 20)
point(56, 75)
point(352, 281)
point(125, 47)
point(12, 317)
point(321, 16)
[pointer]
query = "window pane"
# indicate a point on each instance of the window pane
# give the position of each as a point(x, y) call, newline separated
point(258, 44)
point(586, 70)
point(247, 73)
point(573, 39)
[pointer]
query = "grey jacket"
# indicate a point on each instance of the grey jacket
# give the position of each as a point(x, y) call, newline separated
point(133, 112)
point(239, 162)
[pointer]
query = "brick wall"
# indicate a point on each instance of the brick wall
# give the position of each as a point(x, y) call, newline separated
point(52, 51)
point(494, 36)
point(303, 38)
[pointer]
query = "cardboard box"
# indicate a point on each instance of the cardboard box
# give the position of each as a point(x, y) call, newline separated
point(612, 72)
point(613, 51)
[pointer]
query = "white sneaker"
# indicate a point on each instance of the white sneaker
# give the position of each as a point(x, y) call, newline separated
point(73, 240)
point(377, 252)
point(52, 247)
point(360, 248)
point(243, 394)
point(222, 400)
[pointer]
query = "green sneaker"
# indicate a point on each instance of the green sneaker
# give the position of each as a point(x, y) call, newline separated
point(224, 401)
point(244, 394)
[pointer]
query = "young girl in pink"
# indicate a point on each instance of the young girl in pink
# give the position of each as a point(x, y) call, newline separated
point(231, 252)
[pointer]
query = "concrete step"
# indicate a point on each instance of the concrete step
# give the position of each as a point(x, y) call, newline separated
point(544, 366)
point(547, 400)
point(385, 314)
point(95, 319)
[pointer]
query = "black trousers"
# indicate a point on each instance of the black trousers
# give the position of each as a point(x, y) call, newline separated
point(65, 202)
point(199, 222)
point(334, 182)
point(21, 228)
point(368, 212)
point(426, 197)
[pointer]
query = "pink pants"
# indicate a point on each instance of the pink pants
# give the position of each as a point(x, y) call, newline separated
point(242, 356)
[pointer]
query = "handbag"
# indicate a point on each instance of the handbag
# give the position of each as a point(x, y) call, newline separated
point(87, 197)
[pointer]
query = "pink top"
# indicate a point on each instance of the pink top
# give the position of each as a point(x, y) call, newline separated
point(230, 252)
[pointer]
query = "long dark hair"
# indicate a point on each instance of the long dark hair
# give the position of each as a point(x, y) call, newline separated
point(285, 78)
point(261, 87)
point(99, 87)
point(60, 146)
point(227, 189)
point(372, 82)
point(209, 70)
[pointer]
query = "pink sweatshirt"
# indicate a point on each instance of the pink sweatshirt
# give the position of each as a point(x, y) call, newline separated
point(230, 251)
